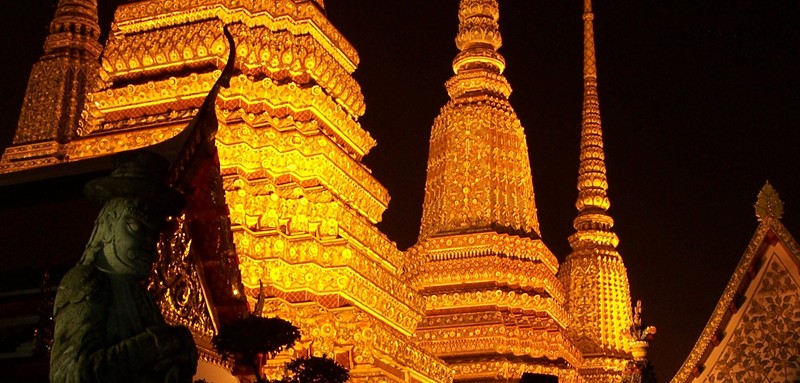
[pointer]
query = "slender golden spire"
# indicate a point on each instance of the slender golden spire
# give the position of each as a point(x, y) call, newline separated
point(593, 224)
point(479, 175)
point(594, 274)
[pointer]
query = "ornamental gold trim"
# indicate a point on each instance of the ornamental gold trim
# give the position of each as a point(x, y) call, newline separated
point(297, 16)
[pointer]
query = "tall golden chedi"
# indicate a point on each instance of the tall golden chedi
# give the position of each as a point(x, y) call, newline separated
point(494, 307)
point(57, 86)
point(302, 205)
point(594, 275)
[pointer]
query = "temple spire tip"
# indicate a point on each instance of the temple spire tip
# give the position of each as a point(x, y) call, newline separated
point(478, 36)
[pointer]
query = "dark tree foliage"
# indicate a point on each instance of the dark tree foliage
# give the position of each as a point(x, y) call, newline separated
point(253, 335)
point(245, 339)
point(316, 369)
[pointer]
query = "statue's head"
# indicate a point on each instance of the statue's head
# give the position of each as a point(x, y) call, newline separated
point(136, 203)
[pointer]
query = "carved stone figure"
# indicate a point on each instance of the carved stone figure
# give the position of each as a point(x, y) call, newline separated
point(108, 328)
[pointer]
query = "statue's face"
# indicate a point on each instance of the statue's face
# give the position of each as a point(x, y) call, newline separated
point(132, 249)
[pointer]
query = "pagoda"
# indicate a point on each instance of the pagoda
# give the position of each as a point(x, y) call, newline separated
point(57, 88)
point(494, 306)
point(594, 274)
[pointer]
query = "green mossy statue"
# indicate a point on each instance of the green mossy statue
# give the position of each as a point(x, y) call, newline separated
point(108, 328)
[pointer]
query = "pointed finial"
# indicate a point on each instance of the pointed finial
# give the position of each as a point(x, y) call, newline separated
point(589, 65)
point(478, 36)
point(611, 329)
point(769, 204)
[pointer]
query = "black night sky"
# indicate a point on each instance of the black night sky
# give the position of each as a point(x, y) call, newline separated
point(700, 105)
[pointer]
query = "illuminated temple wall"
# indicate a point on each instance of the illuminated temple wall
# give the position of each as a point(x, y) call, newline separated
point(303, 207)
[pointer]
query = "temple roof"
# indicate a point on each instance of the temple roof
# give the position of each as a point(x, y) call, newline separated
point(752, 333)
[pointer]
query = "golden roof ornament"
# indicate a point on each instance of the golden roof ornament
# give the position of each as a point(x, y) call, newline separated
point(769, 204)
point(642, 335)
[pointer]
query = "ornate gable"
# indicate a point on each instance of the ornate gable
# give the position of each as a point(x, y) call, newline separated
point(752, 334)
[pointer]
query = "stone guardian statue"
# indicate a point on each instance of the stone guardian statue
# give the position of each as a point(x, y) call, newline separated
point(107, 327)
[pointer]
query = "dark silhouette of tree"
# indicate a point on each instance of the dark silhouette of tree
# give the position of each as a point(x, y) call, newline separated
point(246, 339)
point(315, 369)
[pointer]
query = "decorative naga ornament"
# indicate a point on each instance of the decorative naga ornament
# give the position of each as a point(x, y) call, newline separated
point(57, 88)
point(593, 273)
point(494, 307)
point(196, 279)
